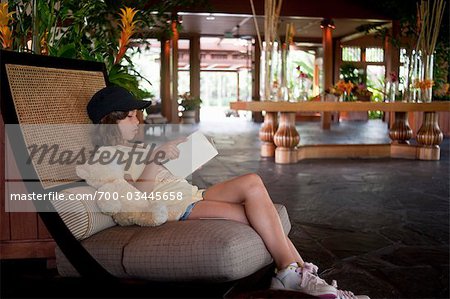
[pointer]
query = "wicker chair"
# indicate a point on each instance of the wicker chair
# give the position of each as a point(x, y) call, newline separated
point(43, 95)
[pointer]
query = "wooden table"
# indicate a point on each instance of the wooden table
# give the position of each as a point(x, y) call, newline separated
point(280, 138)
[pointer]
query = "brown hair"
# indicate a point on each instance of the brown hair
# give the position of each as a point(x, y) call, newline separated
point(107, 133)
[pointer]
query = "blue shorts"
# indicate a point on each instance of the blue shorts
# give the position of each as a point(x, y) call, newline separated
point(188, 211)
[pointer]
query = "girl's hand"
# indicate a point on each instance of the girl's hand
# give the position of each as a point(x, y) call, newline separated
point(170, 148)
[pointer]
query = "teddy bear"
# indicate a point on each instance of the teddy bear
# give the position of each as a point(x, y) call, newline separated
point(121, 200)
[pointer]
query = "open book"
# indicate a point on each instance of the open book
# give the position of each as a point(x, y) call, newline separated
point(194, 153)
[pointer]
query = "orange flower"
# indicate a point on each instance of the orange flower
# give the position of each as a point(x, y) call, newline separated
point(5, 31)
point(44, 44)
point(349, 87)
point(427, 84)
point(343, 86)
point(5, 16)
point(128, 27)
point(5, 37)
point(423, 84)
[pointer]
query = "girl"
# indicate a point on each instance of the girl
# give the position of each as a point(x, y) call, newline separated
point(244, 198)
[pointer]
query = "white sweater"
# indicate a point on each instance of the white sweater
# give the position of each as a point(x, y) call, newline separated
point(115, 164)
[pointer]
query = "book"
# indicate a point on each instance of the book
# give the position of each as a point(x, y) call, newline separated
point(194, 153)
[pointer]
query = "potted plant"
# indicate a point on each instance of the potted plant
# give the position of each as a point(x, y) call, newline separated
point(191, 105)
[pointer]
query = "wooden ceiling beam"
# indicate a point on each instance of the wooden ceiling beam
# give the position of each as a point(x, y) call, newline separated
point(318, 8)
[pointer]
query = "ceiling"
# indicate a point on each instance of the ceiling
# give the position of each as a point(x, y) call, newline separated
point(243, 25)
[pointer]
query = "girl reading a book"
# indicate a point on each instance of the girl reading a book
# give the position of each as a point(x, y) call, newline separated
point(244, 199)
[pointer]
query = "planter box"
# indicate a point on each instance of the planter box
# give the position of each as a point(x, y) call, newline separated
point(188, 117)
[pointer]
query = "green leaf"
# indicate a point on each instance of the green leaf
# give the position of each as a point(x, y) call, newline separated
point(67, 51)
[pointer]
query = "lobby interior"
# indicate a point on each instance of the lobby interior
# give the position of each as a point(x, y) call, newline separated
point(379, 226)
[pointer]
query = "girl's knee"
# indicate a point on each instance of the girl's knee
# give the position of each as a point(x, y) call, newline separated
point(254, 184)
point(253, 179)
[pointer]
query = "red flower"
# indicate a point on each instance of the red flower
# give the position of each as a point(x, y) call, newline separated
point(393, 77)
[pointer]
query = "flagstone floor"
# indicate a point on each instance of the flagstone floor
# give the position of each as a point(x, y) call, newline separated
point(378, 226)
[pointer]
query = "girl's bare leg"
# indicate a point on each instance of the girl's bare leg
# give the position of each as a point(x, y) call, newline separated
point(245, 199)
point(294, 251)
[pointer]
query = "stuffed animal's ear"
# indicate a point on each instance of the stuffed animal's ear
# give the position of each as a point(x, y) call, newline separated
point(82, 171)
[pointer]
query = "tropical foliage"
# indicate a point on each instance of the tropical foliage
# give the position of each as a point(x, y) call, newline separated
point(189, 102)
point(5, 32)
point(405, 12)
point(350, 73)
point(87, 29)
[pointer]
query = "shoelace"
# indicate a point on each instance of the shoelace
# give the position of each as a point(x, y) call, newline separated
point(316, 279)
point(341, 294)
point(311, 268)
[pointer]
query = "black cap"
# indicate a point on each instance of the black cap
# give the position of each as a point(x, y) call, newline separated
point(112, 98)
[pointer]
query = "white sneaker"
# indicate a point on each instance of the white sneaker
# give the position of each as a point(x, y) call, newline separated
point(311, 268)
point(341, 294)
point(349, 295)
point(302, 280)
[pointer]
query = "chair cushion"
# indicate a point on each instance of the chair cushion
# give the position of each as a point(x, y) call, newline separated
point(106, 247)
point(192, 250)
point(82, 216)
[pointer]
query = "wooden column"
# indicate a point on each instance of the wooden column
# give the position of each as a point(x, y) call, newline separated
point(256, 80)
point(174, 85)
point(391, 52)
point(316, 84)
point(166, 98)
point(392, 61)
point(327, 44)
point(194, 69)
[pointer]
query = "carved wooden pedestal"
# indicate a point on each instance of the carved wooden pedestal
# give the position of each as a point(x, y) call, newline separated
point(266, 133)
point(286, 139)
point(429, 137)
point(283, 142)
point(400, 132)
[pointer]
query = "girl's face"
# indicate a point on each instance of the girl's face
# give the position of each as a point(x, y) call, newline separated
point(129, 125)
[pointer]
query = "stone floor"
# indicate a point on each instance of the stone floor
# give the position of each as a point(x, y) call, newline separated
point(378, 226)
